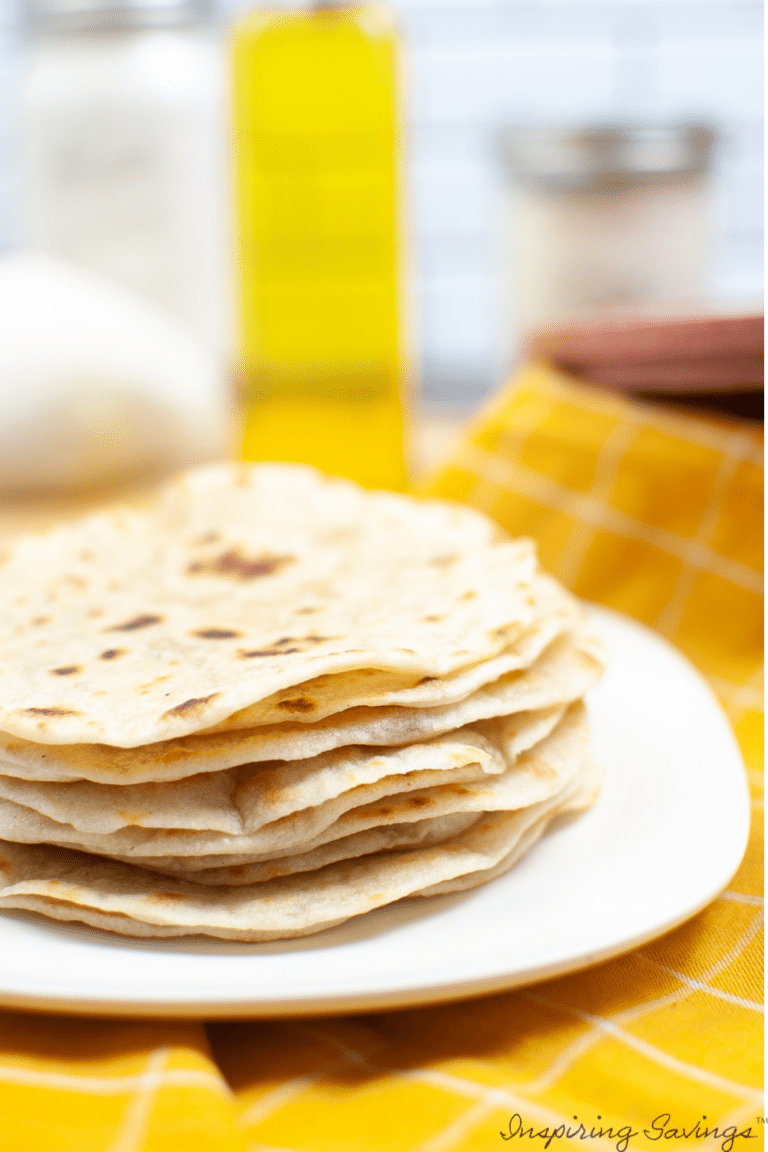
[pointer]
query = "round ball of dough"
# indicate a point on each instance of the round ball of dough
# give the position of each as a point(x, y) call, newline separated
point(96, 385)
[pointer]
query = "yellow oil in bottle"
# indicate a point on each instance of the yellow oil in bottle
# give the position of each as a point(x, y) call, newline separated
point(316, 150)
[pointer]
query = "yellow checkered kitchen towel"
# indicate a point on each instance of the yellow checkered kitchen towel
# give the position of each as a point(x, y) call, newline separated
point(652, 513)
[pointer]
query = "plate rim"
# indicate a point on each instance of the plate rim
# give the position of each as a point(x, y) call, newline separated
point(339, 1005)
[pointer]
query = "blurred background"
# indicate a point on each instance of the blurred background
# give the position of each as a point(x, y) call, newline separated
point(476, 73)
point(473, 66)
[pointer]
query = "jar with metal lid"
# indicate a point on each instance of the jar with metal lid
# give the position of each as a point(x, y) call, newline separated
point(605, 217)
point(124, 154)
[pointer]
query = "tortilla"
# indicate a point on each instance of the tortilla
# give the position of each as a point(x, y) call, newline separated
point(376, 839)
point(383, 838)
point(564, 671)
point(554, 612)
point(241, 800)
point(241, 581)
point(580, 794)
point(71, 885)
point(273, 700)
point(534, 776)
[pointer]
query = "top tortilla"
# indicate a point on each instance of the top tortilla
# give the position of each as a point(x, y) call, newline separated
point(240, 581)
point(554, 609)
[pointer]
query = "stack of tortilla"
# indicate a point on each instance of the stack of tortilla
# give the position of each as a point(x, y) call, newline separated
point(273, 701)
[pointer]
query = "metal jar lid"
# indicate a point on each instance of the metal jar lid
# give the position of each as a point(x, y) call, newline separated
point(74, 16)
point(605, 158)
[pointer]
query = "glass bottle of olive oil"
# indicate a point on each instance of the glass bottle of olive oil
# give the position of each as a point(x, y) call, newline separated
point(316, 159)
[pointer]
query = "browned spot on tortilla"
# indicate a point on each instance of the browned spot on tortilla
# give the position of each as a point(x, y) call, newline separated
point(530, 601)
point(36, 620)
point(136, 623)
point(419, 801)
point(443, 561)
point(300, 704)
point(501, 633)
point(384, 811)
point(468, 596)
point(306, 611)
point(233, 565)
point(52, 711)
point(268, 652)
point(426, 680)
point(144, 688)
point(216, 634)
point(208, 538)
point(432, 619)
point(75, 581)
point(280, 646)
point(68, 670)
point(165, 896)
point(194, 704)
point(94, 612)
point(112, 653)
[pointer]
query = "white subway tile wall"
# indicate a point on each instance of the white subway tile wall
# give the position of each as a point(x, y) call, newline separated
point(473, 66)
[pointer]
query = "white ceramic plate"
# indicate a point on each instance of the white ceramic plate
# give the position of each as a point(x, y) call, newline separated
point(665, 837)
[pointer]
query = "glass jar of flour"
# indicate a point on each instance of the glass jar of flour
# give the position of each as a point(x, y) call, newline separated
point(124, 153)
